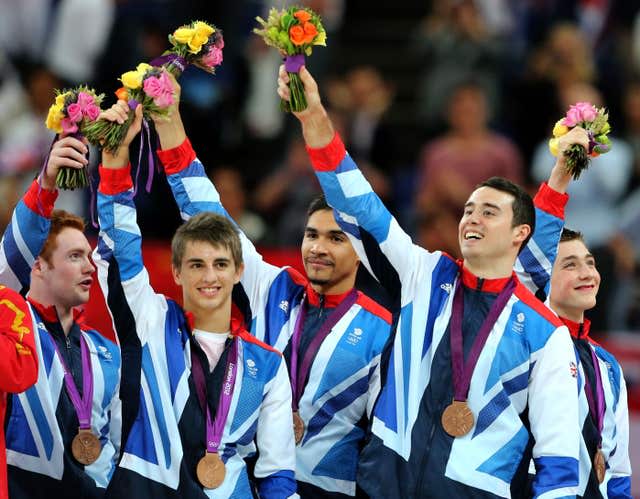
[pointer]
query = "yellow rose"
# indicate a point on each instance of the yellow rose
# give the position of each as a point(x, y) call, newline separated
point(321, 39)
point(559, 129)
point(183, 35)
point(553, 146)
point(131, 79)
point(202, 29)
point(60, 99)
point(54, 118)
point(143, 67)
point(196, 43)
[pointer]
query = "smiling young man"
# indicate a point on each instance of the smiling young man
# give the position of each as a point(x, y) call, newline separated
point(63, 434)
point(467, 400)
point(332, 335)
point(203, 389)
point(560, 266)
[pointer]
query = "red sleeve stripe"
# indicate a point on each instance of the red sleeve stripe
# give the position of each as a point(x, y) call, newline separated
point(242, 333)
point(529, 299)
point(115, 180)
point(550, 201)
point(327, 158)
point(177, 159)
point(374, 307)
point(40, 200)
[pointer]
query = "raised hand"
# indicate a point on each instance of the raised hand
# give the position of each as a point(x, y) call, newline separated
point(66, 152)
point(119, 113)
point(561, 176)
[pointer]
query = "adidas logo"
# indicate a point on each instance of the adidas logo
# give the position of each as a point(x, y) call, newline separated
point(448, 287)
point(284, 306)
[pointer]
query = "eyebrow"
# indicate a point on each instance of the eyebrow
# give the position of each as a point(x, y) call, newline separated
point(200, 260)
point(486, 205)
point(588, 256)
point(330, 232)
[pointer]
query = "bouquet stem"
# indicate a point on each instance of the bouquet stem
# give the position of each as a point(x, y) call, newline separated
point(298, 100)
point(72, 178)
point(108, 133)
point(577, 160)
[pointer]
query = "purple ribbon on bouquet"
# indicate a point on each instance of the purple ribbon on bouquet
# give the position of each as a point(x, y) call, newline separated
point(293, 63)
point(151, 163)
point(174, 59)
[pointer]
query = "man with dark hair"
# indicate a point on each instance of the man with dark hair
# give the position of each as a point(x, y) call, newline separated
point(570, 279)
point(467, 400)
point(63, 434)
point(332, 335)
point(205, 388)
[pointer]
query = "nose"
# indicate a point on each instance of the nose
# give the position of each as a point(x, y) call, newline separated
point(210, 274)
point(317, 248)
point(89, 267)
point(586, 272)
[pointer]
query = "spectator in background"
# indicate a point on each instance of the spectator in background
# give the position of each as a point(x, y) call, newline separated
point(454, 44)
point(233, 196)
point(594, 207)
point(452, 165)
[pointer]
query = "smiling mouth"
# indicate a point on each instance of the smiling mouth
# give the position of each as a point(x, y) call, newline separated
point(319, 263)
point(472, 236)
point(209, 291)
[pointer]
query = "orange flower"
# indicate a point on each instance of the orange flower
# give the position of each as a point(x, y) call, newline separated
point(302, 15)
point(122, 94)
point(297, 35)
point(310, 32)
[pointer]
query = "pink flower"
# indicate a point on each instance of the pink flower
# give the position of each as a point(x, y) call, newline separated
point(582, 111)
point(69, 126)
point(74, 112)
point(219, 43)
point(213, 57)
point(92, 112)
point(152, 87)
point(164, 100)
point(85, 100)
point(588, 111)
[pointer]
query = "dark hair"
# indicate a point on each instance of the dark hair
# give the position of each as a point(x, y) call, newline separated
point(210, 228)
point(317, 204)
point(523, 209)
point(571, 235)
point(60, 220)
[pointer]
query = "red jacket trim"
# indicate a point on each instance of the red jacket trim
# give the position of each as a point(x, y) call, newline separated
point(177, 159)
point(550, 201)
point(327, 158)
point(115, 180)
point(374, 307)
point(529, 299)
point(40, 200)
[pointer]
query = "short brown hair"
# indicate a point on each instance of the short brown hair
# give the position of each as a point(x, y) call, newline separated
point(210, 228)
point(60, 220)
point(571, 235)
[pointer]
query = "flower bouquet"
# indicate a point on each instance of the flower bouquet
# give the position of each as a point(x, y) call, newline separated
point(596, 122)
point(72, 112)
point(197, 43)
point(293, 31)
point(146, 85)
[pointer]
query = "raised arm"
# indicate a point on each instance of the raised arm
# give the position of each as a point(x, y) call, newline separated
point(27, 232)
point(194, 193)
point(118, 255)
point(378, 238)
point(19, 364)
point(535, 262)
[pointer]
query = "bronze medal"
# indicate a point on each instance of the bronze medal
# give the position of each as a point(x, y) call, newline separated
point(599, 465)
point(457, 418)
point(298, 427)
point(211, 471)
point(85, 447)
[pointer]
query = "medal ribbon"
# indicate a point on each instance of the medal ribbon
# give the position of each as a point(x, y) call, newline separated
point(462, 371)
point(215, 427)
point(298, 374)
point(82, 404)
point(595, 400)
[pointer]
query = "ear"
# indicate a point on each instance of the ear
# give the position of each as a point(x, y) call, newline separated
point(176, 275)
point(239, 272)
point(521, 232)
point(38, 266)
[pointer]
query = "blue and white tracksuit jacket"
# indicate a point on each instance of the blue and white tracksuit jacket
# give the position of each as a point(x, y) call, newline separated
point(519, 413)
point(344, 377)
point(42, 421)
point(534, 266)
point(167, 437)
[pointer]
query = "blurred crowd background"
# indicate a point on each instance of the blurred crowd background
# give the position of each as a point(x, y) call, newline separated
point(431, 97)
